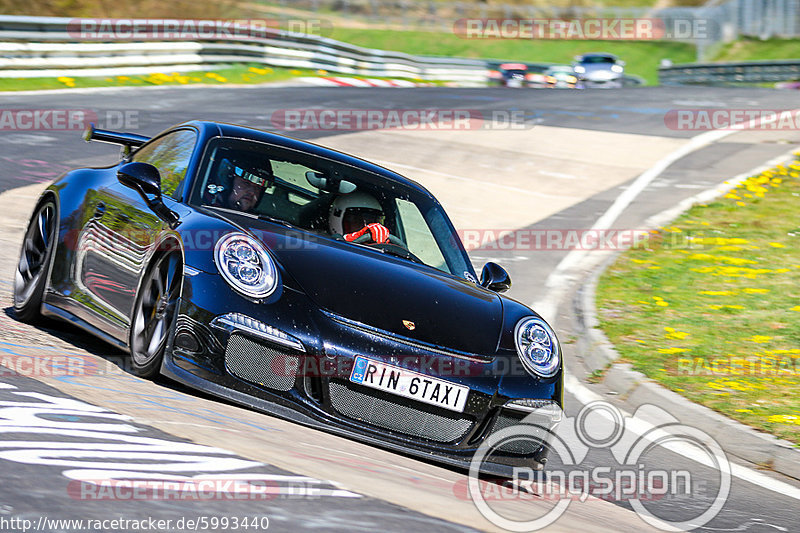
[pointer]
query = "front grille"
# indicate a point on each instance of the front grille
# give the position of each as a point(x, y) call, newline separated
point(535, 435)
point(261, 363)
point(351, 402)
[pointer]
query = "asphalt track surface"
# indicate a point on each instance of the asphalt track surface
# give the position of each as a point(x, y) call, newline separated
point(30, 489)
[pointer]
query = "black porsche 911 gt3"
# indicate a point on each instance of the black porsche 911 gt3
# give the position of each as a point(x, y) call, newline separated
point(295, 280)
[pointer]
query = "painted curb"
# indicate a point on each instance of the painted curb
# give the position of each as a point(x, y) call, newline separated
point(599, 354)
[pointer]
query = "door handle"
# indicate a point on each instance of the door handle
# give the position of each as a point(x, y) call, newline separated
point(99, 210)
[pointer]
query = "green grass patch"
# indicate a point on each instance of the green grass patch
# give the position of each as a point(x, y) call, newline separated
point(710, 306)
point(236, 74)
point(746, 49)
point(641, 57)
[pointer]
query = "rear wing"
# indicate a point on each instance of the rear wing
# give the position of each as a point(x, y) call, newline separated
point(128, 141)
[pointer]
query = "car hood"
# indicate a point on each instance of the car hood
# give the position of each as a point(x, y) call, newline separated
point(386, 292)
point(600, 70)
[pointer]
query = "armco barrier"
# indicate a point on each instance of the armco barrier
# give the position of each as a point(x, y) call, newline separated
point(40, 46)
point(726, 73)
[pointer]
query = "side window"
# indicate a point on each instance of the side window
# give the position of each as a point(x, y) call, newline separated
point(170, 154)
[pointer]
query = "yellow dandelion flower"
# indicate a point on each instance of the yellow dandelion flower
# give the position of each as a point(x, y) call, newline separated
point(717, 293)
point(759, 339)
point(777, 245)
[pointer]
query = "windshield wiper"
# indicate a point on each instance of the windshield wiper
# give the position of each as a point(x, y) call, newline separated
point(277, 221)
point(253, 215)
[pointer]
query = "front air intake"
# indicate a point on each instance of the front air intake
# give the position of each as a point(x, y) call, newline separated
point(403, 416)
point(261, 363)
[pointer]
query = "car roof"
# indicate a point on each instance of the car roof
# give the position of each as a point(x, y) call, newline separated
point(214, 129)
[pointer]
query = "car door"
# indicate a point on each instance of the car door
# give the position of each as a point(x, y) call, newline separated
point(124, 228)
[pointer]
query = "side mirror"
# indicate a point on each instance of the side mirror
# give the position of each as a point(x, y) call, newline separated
point(142, 178)
point(145, 179)
point(495, 278)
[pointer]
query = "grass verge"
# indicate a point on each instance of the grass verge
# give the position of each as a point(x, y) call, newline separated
point(747, 49)
point(710, 307)
point(236, 74)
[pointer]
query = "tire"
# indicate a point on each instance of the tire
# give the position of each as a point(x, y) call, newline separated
point(154, 314)
point(30, 277)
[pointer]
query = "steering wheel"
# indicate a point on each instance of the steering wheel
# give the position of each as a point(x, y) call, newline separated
point(394, 246)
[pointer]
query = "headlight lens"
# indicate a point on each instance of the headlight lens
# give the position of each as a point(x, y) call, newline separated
point(537, 347)
point(580, 70)
point(246, 265)
point(616, 68)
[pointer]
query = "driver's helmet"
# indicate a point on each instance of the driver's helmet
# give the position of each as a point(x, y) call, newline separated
point(351, 212)
point(228, 169)
point(231, 168)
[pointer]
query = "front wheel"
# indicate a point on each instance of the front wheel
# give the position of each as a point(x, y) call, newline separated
point(154, 312)
point(30, 277)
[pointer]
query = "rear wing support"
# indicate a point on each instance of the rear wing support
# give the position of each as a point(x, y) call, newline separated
point(128, 141)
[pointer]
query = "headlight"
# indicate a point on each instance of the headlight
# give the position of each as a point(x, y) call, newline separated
point(580, 70)
point(245, 265)
point(537, 347)
point(616, 68)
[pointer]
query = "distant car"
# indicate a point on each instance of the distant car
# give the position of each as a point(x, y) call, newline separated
point(599, 70)
point(560, 77)
point(230, 259)
point(510, 75)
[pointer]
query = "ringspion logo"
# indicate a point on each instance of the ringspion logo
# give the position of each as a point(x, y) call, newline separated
point(627, 477)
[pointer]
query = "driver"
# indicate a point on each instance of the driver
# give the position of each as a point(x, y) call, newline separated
point(356, 214)
point(246, 186)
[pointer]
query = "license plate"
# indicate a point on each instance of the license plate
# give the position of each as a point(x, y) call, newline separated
point(409, 384)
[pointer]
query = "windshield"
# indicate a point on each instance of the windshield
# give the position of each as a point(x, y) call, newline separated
point(327, 198)
point(597, 59)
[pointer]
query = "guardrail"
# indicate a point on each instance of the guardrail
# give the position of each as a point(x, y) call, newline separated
point(727, 73)
point(43, 46)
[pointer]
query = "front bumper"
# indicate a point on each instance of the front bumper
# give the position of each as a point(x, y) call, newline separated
point(301, 372)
